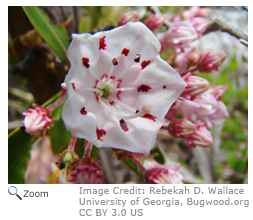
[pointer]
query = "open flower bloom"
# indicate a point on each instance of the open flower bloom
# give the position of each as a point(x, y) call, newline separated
point(119, 89)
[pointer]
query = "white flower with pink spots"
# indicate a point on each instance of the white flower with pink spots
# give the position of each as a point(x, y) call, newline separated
point(119, 89)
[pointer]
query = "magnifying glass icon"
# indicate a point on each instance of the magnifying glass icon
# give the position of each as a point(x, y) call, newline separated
point(13, 191)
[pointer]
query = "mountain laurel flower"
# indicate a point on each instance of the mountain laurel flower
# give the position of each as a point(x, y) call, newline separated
point(218, 91)
point(155, 21)
point(195, 86)
point(119, 89)
point(178, 37)
point(211, 61)
point(201, 138)
point(37, 120)
point(196, 11)
point(200, 24)
point(131, 16)
point(162, 174)
point(181, 128)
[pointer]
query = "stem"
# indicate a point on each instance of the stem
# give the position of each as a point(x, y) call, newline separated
point(58, 102)
point(87, 149)
point(137, 162)
point(72, 143)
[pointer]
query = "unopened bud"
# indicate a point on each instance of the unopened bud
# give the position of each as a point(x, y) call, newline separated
point(211, 61)
point(37, 120)
point(195, 86)
point(218, 91)
point(163, 174)
point(181, 128)
point(155, 21)
point(202, 138)
point(132, 16)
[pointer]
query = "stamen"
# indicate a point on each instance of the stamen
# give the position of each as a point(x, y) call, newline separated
point(115, 62)
point(124, 89)
point(137, 58)
point(83, 111)
point(85, 61)
point(143, 88)
point(94, 74)
point(123, 125)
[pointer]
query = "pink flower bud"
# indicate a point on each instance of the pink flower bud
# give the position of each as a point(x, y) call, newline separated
point(155, 21)
point(162, 174)
point(200, 24)
point(179, 36)
point(211, 61)
point(202, 137)
point(181, 128)
point(195, 86)
point(196, 11)
point(87, 171)
point(133, 16)
point(218, 91)
point(37, 120)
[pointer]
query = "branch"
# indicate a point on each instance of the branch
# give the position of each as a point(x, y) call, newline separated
point(219, 25)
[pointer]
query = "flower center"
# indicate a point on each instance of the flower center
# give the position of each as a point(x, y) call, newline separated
point(105, 89)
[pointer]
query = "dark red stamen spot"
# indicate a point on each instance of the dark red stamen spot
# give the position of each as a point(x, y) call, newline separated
point(114, 62)
point(100, 133)
point(143, 88)
point(111, 103)
point(73, 85)
point(83, 111)
point(164, 87)
point(149, 116)
point(102, 44)
point(86, 62)
point(145, 63)
point(123, 125)
point(137, 58)
point(125, 51)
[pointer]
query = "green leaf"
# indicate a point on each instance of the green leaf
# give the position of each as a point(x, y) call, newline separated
point(55, 36)
point(59, 136)
point(19, 146)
